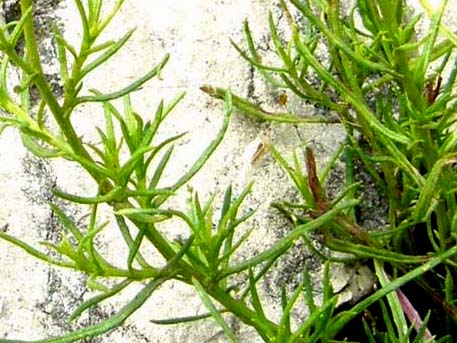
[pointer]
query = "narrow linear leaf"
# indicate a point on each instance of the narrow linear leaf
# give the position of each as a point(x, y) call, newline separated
point(228, 109)
point(34, 252)
point(423, 61)
point(255, 299)
point(160, 168)
point(284, 329)
point(108, 324)
point(286, 242)
point(176, 100)
point(67, 222)
point(394, 303)
point(113, 49)
point(19, 27)
point(135, 247)
point(127, 90)
point(123, 227)
point(110, 15)
point(38, 150)
point(111, 196)
point(256, 111)
point(214, 312)
point(98, 299)
point(430, 187)
point(255, 63)
point(314, 320)
point(179, 320)
point(256, 58)
point(62, 55)
point(413, 316)
point(84, 20)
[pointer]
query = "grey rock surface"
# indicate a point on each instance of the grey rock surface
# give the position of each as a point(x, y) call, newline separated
point(35, 299)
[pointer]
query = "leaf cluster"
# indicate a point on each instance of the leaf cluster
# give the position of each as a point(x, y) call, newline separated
point(394, 93)
point(389, 89)
point(127, 166)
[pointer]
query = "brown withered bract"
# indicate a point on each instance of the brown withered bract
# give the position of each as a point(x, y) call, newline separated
point(282, 99)
point(432, 90)
point(260, 151)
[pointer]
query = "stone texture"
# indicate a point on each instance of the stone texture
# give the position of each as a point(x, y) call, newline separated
point(35, 298)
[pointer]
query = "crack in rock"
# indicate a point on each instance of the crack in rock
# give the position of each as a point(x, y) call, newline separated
point(44, 19)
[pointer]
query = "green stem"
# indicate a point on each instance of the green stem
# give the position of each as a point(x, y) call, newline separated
point(48, 96)
point(264, 327)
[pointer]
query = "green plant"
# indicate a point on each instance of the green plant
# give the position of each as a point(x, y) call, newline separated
point(121, 168)
point(394, 93)
point(381, 91)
